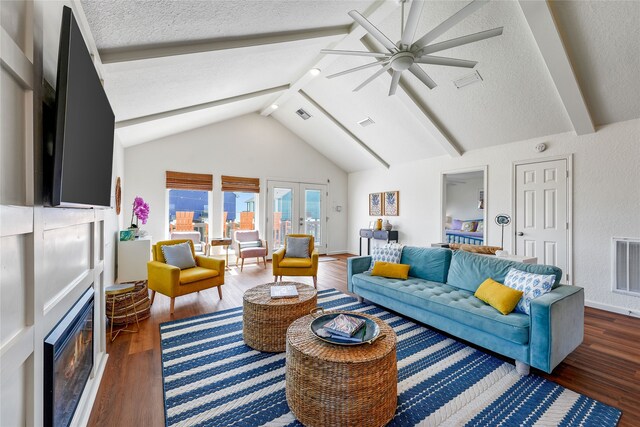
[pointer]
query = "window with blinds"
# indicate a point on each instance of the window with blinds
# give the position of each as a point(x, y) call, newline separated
point(626, 266)
point(189, 181)
point(238, 183)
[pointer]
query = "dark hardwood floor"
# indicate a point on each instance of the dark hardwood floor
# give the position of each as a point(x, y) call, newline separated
point(606, 366)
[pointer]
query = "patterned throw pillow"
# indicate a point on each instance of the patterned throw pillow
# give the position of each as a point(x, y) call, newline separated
point(480, 227)
point(389, 252)
point(469, 226)
point(532, 285)
point(179, 255)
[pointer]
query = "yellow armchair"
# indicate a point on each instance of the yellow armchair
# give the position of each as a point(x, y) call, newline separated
point(173, 282)
point(296, 266)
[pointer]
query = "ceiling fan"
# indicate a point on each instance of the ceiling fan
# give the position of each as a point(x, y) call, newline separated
point(406, 55)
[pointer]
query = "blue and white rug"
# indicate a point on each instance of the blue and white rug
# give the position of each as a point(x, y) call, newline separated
point(211, 378)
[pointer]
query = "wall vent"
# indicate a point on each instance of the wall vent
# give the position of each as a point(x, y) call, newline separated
point(626, 266)
point(303, 114)
point(467, 80)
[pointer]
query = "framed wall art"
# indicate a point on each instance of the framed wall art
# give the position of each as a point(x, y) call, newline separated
point(391, 203)
point(375, 204)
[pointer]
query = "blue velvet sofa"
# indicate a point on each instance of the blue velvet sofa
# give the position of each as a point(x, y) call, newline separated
point(439, 292)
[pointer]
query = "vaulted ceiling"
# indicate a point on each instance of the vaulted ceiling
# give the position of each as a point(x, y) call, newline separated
point(171, 66)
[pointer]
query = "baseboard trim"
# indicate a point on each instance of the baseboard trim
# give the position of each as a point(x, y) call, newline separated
point(612, 308)
point(338, 252)
point(82, 418)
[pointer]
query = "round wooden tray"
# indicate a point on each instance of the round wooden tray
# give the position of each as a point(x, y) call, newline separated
point(265, 320)
point(330, 385)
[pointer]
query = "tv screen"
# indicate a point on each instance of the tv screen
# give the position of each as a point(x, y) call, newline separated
point(84, 127)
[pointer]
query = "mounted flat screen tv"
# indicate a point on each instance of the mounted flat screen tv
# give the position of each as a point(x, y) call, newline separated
point(81, 154)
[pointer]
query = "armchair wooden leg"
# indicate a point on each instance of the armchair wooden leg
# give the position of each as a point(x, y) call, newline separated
point(220, 291)
point(264, 260)
point(315, 282)
point(153, 296)
point(173, 301)
point(242, 264)
point(275, 279)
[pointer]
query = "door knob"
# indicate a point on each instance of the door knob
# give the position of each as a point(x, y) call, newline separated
point(520, 233)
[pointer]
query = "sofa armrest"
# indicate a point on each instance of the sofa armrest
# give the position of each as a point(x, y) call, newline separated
point(276, 257)
point(211, 263)
point(557, 326)
point(355, 265)
point(162, 277)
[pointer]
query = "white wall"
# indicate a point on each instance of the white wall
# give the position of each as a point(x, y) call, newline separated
point(48, 256)
point(462, 199)
point(606, 198)
point(252, 146)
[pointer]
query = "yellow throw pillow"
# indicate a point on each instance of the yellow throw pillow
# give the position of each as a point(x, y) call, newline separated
point(501, 297)
point(391, 270)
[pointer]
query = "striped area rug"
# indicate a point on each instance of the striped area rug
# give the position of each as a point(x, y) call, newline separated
point(212, 379)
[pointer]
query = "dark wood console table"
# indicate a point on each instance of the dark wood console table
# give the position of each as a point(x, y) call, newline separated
point(365, 233)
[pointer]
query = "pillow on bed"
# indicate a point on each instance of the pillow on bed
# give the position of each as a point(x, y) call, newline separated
point(455, 224)
point(469, 226)
point(480, 227)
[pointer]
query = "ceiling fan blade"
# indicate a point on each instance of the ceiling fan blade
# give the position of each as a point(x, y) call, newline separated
point(395, 80)
point(450, 62)
point(448, 23)
point(412, 22)
point(376, 33)
point(420, 74)
point(361, 67)
point(355, 53)
point(373, 77)
point(471, 38)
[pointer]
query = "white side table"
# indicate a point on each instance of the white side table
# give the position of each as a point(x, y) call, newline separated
point(133, 256)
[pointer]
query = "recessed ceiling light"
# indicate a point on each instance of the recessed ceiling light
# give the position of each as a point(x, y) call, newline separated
point(274, 106)
point(314, 71)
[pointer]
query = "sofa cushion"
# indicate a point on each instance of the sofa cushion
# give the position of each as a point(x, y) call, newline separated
point(195, 274)
point(296, 262)
point(179, 255)
point(448, 301)
point(530, 284)
point(389, 252)
point(427, 263)
point(391, 270)
point(501, 297)
point(468, 270)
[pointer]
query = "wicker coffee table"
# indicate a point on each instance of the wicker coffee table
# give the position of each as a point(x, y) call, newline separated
point(332, 385)
point(265, 320)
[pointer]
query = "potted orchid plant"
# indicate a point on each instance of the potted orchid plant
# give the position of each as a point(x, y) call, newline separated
point(140, 212)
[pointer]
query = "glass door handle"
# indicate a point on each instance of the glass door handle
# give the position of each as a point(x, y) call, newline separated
point(520, 233)
point(301, 222)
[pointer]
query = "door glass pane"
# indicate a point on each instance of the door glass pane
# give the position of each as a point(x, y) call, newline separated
point(282, 210)
point(312, 212)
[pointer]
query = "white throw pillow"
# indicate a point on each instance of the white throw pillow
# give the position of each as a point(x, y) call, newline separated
point(179, 255)
point(532, 285)
point(389, 252)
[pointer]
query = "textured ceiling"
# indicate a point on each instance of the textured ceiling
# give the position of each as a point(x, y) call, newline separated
point(121, 23)
point(516, 100)
point(603, 42)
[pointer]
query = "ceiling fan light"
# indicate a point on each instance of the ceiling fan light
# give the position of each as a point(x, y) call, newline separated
point(274, 106)
point(314, 71)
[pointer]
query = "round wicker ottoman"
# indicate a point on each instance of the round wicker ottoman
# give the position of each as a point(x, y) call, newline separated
point(332, 385)
point(265, 320)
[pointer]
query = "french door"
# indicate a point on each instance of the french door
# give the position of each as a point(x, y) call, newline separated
point(296, 208)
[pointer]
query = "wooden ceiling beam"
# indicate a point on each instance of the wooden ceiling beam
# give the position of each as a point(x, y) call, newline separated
point(141, 53)
point(545, 32)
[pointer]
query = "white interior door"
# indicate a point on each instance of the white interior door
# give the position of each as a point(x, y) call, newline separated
point(296, 208)
point(542, 213)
